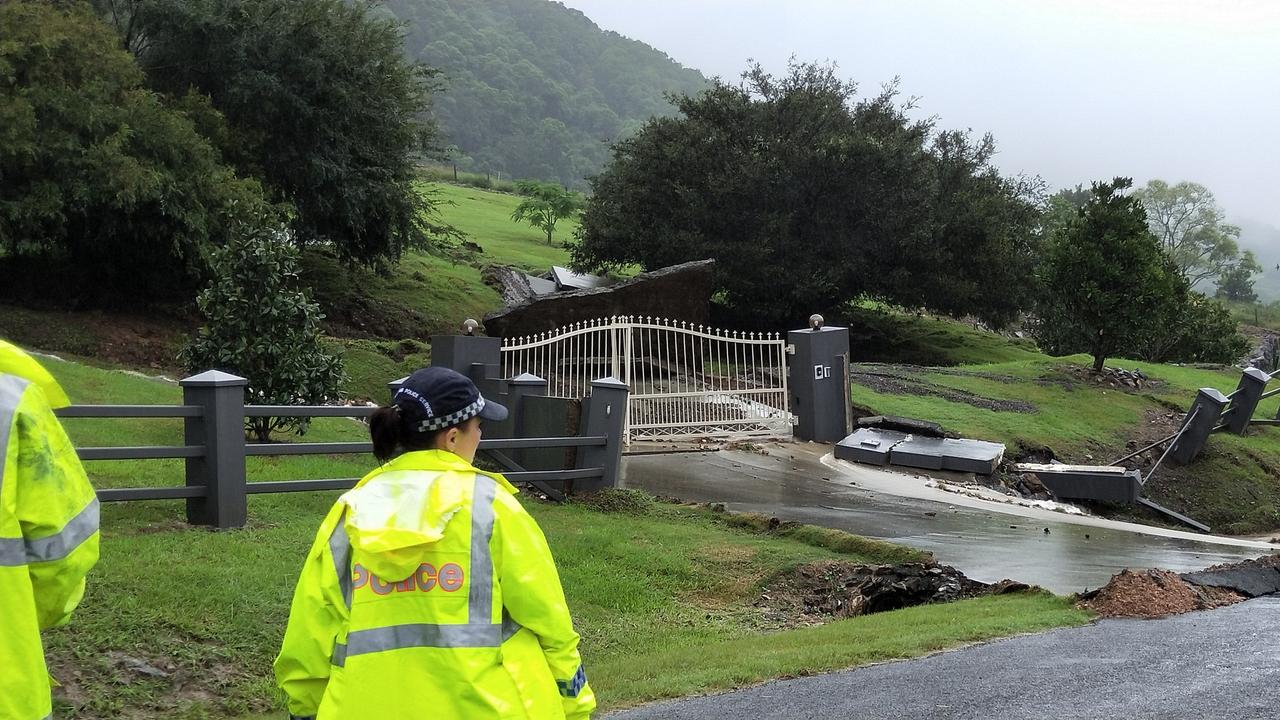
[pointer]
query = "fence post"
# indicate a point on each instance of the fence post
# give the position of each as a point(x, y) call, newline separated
point(518, 388)
point(604, 412)
point(220, 429)
point(1245, 399)
point(1202, 418)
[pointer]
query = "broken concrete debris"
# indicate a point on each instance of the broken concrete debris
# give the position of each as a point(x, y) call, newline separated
point(922, 428)
point(875, 446)
point(1107, 483)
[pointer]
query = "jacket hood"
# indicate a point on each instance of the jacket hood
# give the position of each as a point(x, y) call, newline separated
point(13, 361)
point(398, 511)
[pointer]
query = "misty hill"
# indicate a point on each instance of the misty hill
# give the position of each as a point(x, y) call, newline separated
point(535, 89)
point(1264, 241)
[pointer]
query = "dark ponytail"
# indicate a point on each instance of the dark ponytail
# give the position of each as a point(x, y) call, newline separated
point(387, 432)
point(391, 435)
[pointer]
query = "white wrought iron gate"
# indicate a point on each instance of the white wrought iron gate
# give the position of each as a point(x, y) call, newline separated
point(686, 381)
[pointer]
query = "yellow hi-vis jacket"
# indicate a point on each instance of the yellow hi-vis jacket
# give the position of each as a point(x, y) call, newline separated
point(429, 591)
point(48, 530)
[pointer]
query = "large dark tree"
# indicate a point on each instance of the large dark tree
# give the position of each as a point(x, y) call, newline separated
point(109, 190)
point(1104, 278)
point(321, 103)
point(808, 197)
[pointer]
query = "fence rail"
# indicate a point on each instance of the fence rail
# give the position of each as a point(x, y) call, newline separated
point(216, 484)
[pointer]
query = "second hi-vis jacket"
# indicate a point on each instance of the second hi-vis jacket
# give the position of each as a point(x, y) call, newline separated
point(48, 530)
point(429, 591)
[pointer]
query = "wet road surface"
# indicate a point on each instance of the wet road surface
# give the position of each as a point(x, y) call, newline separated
point(985, 544)
point(1222, 663)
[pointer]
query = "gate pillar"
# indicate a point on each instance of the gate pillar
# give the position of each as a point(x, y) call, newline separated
point(818, 382)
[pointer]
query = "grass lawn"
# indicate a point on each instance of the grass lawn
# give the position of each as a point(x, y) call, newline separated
point(662, 596)
point(880, 334)
point(485, 217)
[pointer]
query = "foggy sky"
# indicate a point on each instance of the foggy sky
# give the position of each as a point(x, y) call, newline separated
point(1072, 91)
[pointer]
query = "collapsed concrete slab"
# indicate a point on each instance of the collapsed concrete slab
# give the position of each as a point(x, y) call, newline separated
point(1107, 483)
point(975, 456)
point(918, 452)
point(922, 428)
point(869, 445)
point(876, 446)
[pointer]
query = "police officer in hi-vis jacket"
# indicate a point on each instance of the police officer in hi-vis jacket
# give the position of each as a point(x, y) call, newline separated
point(429, 591)
point(48, 530)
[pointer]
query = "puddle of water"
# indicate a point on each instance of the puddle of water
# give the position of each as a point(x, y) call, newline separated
point(984, 544)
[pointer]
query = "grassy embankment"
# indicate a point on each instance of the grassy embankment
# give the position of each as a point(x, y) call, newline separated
point(379, 321)
point(1234, 486)
point(662, 597)
point(426, 294)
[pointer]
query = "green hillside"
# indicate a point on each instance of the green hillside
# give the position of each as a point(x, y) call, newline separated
point(535, 89)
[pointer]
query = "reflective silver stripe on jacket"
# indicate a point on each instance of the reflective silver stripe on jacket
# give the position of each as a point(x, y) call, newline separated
point(13, 551)
point(480, 599)
point(478, 632)
point(423, 635)
point(340, 548)
point(60, 544)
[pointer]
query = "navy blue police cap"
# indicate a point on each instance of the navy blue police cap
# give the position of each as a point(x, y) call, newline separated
point(436, 398)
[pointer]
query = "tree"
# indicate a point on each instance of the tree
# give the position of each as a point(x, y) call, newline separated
point(1236, 281)
point(109, 189)
point(1191, 227)
point(259, 325)
point(322, 104)
point(808, 197)
point(1102, 277)
point(544, 205)
point(1189, 327)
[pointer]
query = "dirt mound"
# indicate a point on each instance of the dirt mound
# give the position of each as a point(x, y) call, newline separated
point(822, 591)
point(1153, 593)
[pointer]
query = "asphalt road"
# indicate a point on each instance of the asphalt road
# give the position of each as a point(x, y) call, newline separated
point(1221, 663)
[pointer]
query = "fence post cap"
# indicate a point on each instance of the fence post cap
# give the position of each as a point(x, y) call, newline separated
point(608, 382)
point(213, 378)
point(1213, 394)
point(1257, 374)
point(526, 379)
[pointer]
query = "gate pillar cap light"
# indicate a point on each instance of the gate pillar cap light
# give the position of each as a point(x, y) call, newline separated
point(469, 326)
point(815, 322)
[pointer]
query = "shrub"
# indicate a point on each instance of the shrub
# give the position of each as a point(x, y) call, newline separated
point(260, 326)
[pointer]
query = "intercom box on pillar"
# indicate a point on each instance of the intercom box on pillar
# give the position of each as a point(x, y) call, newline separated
point(819, 382)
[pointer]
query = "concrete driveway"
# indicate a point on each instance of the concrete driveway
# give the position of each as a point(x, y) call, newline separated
point(1221, 663)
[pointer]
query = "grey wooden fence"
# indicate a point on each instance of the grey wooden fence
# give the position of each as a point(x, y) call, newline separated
point(214, 447)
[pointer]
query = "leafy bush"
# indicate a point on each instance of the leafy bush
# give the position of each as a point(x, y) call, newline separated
point(1193, 329)
point(259, 326)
